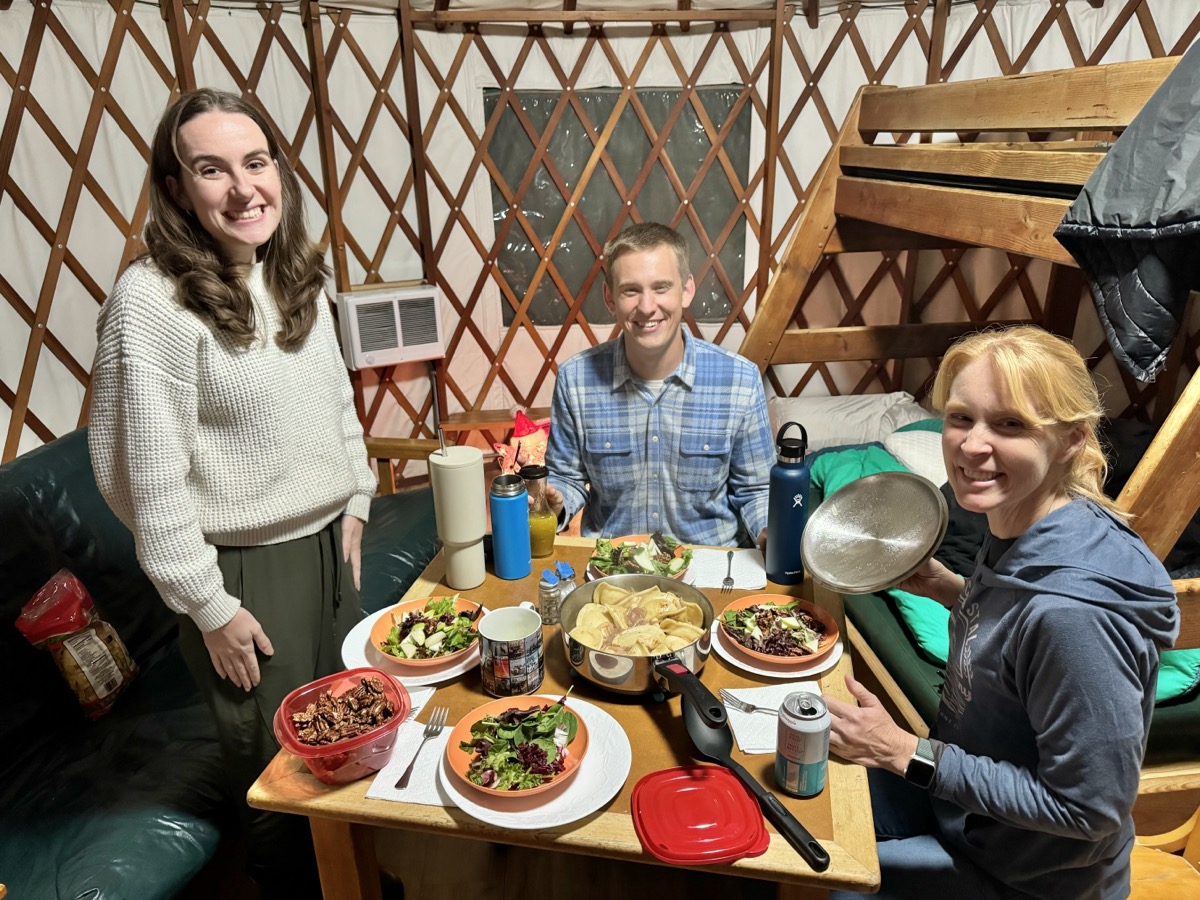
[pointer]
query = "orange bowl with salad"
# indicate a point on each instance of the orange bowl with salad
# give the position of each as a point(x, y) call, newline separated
point(431, 631)
point(640, 554)
point(517, 746)
point(780, 630)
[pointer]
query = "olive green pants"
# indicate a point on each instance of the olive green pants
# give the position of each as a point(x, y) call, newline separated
point(303, 596)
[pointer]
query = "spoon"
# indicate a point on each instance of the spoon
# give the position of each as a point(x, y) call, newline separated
point(716, 743)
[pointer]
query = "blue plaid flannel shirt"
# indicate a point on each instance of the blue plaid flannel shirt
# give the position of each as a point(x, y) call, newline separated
point(695, 462)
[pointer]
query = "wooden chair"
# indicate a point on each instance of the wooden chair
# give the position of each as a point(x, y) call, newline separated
point(385, 450)
point(1159, 874)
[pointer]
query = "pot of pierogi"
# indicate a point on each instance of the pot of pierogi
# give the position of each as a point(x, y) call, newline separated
point(639, 634)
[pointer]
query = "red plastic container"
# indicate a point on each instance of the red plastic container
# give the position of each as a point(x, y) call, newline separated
point(351, 759)
point(697, 815)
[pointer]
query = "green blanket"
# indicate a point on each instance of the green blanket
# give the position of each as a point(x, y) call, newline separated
point(927, 620)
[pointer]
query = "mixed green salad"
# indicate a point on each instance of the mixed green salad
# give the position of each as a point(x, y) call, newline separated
point(435, 631)
point(520, 748)
point(656, 556)
point(775, 629)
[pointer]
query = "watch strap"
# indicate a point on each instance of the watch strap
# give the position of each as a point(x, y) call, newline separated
point(922, 766)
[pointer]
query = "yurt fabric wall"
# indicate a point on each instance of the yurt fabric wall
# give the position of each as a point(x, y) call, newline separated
point(83, 83)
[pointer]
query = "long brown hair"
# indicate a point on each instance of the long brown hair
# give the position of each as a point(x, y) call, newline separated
point(1050, 385)
point(209, 285)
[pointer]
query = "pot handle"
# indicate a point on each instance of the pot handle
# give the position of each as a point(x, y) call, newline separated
point(670, 672)
point(788, 825)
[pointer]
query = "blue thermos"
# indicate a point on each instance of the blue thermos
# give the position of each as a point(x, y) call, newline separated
point(787, 510)
point(508, 503)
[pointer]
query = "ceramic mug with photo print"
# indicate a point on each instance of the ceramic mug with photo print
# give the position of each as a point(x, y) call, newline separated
point(512, 654)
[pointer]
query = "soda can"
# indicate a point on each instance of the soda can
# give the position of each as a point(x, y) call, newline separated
point(802, 745)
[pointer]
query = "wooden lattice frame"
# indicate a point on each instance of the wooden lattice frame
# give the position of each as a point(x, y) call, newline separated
point(330, 37)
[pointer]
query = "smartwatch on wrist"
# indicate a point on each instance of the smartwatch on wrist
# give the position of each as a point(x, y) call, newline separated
point(923, 765)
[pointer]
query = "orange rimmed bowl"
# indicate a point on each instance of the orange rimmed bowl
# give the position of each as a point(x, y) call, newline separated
point(459, 760)
point(383, 626)
point(636, 539)
point(824, 648)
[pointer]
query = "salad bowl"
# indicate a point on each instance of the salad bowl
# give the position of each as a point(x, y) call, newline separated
point(600, 565)
point(389, 618)
point(459, 760)
point(827, 640)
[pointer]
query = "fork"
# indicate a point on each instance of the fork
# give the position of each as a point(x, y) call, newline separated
point(727, 581)
point(437, 721)
point(743, 706)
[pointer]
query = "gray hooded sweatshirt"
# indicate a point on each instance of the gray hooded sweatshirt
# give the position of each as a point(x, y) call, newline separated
point(1047, 699)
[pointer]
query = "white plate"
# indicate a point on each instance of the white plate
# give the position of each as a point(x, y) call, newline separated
point(600, 777)
point(788, 673)
point(357, 650)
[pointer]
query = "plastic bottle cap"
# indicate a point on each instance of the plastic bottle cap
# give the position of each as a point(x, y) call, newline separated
point(530, 473)
point(548, 577)
point(564, 570)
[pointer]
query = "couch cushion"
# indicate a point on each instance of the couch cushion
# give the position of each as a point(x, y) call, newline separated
point(127, 806)
point(399, 541)
point(52, 517)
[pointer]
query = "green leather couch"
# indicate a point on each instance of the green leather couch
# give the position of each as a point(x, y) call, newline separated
point(129, 805)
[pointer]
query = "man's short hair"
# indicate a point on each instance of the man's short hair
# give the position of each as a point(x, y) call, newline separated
point(646, 236)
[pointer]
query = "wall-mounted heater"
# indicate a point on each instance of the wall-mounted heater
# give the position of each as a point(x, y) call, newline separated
point(390, 325)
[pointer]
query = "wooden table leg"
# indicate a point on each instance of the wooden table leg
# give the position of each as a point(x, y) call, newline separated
point(346, 860)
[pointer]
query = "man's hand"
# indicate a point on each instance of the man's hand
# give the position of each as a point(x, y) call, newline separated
point(555, 499)
point(231, 648)
point(865, 734)
point(352, 529)
point(762, 540)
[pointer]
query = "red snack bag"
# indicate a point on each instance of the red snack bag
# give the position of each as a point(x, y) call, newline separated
point(89, 653)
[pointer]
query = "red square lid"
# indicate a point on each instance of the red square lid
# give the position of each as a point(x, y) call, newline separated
point(697, 815)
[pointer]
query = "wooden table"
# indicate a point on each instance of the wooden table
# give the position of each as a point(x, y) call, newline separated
point(342, 817)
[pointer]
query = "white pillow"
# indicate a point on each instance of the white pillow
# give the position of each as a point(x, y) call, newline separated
point(853, 419)
point(920, 452)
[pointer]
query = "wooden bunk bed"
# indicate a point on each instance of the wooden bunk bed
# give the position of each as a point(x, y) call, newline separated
point(1003, 195)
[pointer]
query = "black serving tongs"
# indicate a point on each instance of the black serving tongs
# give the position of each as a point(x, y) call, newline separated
point(716, 743)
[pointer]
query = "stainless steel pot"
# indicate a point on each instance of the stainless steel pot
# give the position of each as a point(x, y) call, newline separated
point(673, 672)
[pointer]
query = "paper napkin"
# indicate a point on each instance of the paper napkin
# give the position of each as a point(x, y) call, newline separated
point(423, 783)
point(709, 566)
point(755, 732)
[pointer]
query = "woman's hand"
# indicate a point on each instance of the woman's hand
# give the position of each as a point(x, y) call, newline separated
point(231, 648)
point(865, 734)
point(352, 529)
point(935, 581)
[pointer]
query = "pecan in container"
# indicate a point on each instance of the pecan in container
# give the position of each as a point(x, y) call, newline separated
point(339, 726)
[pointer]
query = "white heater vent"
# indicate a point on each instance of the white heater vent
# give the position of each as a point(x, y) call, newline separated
point(389, 326)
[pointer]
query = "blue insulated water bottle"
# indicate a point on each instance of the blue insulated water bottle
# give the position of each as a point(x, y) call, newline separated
point(509, 506)
point(787, 511)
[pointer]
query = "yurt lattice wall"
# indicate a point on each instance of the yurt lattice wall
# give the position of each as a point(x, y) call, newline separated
point(85, 81)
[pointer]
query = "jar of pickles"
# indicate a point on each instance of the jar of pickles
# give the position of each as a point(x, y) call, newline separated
point(543, 523)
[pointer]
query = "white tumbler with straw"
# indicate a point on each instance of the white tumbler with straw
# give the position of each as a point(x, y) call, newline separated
point(460, 505)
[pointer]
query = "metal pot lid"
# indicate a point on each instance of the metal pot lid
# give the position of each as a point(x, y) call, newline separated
point(873, 533)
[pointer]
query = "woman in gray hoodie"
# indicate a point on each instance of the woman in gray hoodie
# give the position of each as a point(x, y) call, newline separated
point(1026, 785)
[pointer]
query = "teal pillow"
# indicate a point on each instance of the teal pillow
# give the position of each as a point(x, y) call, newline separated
point(927, 620)
point(1178, 674)
point(929, 623)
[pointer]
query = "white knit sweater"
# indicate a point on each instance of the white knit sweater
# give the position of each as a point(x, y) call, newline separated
point(197, 442)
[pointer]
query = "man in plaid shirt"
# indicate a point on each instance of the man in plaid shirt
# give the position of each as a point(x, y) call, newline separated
point(658, 430)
